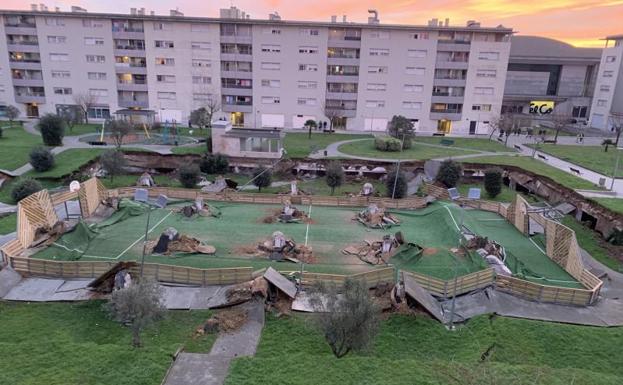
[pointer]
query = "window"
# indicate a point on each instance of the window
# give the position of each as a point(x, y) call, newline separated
point(376, 87)
point(165, 61)
point(379, 51)
point(602, 103)
point(200, 45)
point(419, 36)
point(271, 100)
point(59, 57)
point(202, 80)
point(202, 97)
point(377, 69)
point(419, 53)
point(164, 44)
point(274, 48)
point(166, 95)
point(308, 32)
point(62, 91)
point(61, 74)
point(57, 39)
point(579, 111)
point(270, 66)
point(604, 88)
point(91, 23)
point(483, 91)
point(308, 50)
point(608, 74)
point(412, 105)
point(486, 73)
point(379, 34)
point(413, 88)
point(271, 83)
point(159, 26)
point(96, 75)
point(308, 67)
point(306, 101)
point(98, 92)
point(375, 103)
point(96, 58)
point(493, 56)
point(54, 21)
point(271, 31)
point(415, 70)
point(306, 84)
point(93, 41)
point(201, 63)
point(166, 78)
point(610, 59)
point(481, 107)
point(98, 113)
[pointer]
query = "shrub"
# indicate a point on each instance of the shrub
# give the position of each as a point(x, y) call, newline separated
point(113, 162)
point(396, 187)
point(335, 175)
point(189, 175)
point(23, 188)
point(52, 128)
point(386, 143)
point(493, 182)
point(449, 173)
point(214, 164)
point(41, 159)
point(262, 177)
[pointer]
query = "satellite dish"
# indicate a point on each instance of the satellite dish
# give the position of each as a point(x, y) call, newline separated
point(74, 186)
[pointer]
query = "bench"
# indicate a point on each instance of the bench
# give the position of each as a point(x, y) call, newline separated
point(446, 142)
point(575, 171)
point(549, 141)
point(542, 156)
point(517, 147)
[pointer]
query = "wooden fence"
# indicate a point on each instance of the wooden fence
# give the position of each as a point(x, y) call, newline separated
point(372, 278)
point(543, 293)
point(446, 289)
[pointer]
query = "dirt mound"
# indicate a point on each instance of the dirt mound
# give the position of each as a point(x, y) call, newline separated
point(224, 321)
point(429, 251)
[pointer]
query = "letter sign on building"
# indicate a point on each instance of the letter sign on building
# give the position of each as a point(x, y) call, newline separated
point(541, 107)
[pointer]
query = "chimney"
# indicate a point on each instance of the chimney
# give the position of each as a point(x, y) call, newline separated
point(375, 18)
point(274, 16)
point(76, 9)
point(57, 9)
point(43, 7)
point(141, 11)
point(432, 23)
point(34, 7)
point(152, 13)
point(175, 12)
point(343, 18)
point(447, 23)
point(333, 18)
point(132, 11)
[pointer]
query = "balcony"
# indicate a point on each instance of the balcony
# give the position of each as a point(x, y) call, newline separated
point(23, 47)
point(452, 64)
point(28, 82)
point(449, 82)
point(343, 61)
point(237, 107)
point(345, 78)
point(131, 103)
point(136, 86)
point(344, 112)
point(454, 45)
point(446, 99)
point(341, 95)
point(236, 57)
point(454, 116)
point(38, 98)
point(25, 65)
point(233, 39)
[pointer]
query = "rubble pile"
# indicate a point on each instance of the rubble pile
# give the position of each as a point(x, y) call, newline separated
point(286, 214)
point(376, 252)
point(492, 252)
point(375, 216)
point(200, 208)
point(224, 321)
point(170, 241)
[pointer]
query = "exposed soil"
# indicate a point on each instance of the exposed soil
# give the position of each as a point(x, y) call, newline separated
point(429, 251)
point(224, 321)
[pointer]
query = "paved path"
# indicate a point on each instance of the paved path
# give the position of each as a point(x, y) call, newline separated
point(212, 368)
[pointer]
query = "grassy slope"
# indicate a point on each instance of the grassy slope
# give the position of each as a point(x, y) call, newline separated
point(67, 162)
point(421, 351)
point(67, 344)
point(480, 144)
point(536, 167)
point(591, 242)
point(507, 195)
point(8, 224)
point(5, 190)
point(15, 146)
point(591, 157)
point(298, 146)
point(366, 148)
point(614, 204)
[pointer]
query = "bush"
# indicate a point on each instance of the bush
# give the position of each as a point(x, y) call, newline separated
point(189, 175)
point(449, 173)
point(262, 177)
point(41, 159)
point(399, 184)
point(23, 188)
point(386, 143)
point(113, 162)
point(52, 128)
point(493, 182)
point(335, 175)
point(214, 164)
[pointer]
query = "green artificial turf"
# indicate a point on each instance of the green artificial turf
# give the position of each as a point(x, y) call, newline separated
point(590, 157)
point(365, 148)
point(8, 224)
point(77, 344)
point(297, 145)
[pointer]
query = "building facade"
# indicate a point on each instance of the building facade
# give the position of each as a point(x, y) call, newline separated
point(607, 107)
point(263, 73)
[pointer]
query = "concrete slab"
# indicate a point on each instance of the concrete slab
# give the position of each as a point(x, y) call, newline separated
point(242, 342)
point(197, 369)
point(9, 278)
point(49, 290)
point(178, 298)
point(282, 283)
point(423, 297)
point(183, 298)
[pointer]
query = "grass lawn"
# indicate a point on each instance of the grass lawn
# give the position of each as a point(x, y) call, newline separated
point(421, 351)
point(198, 149)
point(591, 157)
point(130, 180)
point(8, 224)
point(76, 344)
point(366, 149)
point(592, 243)
point(67, 162)
point(297, 144)
point(15, 146)
point(5, 190)
point(83, 128)
point(319, 186)
point(614, 204)
point(479, 144)
point(536, 167)
point(507, 195)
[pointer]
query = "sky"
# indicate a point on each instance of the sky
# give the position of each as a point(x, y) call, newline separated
point(579, 22)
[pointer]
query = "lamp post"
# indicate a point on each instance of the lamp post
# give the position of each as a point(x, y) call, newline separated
point(398, 167)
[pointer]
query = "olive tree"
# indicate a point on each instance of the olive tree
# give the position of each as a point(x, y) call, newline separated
point(401, 128)
point(118, 129)
point(262, 177)
point(11, 113)
point(113, 162)
point(335, 175)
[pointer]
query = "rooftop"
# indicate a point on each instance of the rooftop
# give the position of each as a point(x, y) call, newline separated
point(534, 48)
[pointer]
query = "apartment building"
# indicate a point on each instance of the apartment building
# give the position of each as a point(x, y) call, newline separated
point(607, 108)
point(263, 73)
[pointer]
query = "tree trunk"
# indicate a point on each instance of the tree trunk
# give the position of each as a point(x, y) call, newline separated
point(136, 338)
point(556, 136)
point(332, 190)
point(309, 132)
point(606, 148)
point(492, 132)
point(616, 142)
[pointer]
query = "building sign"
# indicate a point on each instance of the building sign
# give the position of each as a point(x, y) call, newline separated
point(541, 107)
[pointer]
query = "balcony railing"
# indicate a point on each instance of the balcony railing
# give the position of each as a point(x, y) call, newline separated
point(453, 41)
point(30, 94)
point(135, 81)
point(23, 42)
point(127, 29)
point(21, 25)
point(454, 94)
point(447, 111)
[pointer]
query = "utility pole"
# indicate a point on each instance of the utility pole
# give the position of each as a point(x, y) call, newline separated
point(398, 167)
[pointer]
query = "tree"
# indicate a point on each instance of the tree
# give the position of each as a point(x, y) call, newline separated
point(332, 113)
point(189, 175)
point(85, 101)
point(606, 143)
point(449, 173)
point(137, 306)
point(24, 187)
point(113, 162)
point(52, 128)
point(396, 186)
point(262, 177)
point(500, 123)
point(310, 124)
point(616, 122)
point(400, 128)
point(72, 115)
point(493, 182)
point(560, 119)
point(335, 175)
point(118, 129)
point(346, 316)
point(199, 117)
point(41, 159)
point(214, 164)
point(11, 113)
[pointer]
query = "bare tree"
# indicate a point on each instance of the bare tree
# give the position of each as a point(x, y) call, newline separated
point(332, 113)
point(347, 316)
point(113, 162)
point(12, 113)
point(85, 101)
point(208, 108)
point(137, 306)
point(117, 130)
point(560, 119)
point(500, 123)
point(616, 122)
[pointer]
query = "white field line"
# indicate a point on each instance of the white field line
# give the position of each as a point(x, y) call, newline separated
point(142, 236)
point(308, 220)
point(537, 246)
point(452, 217)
